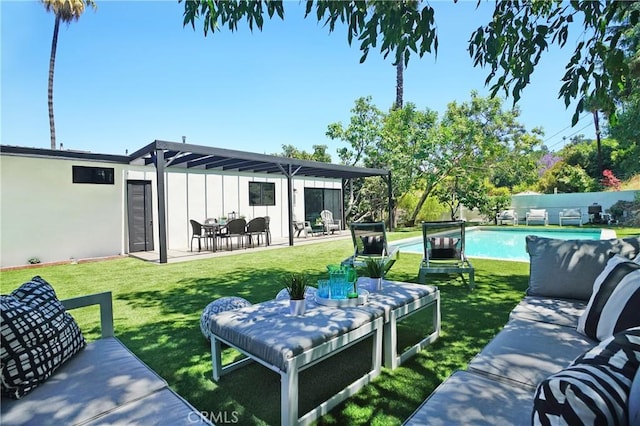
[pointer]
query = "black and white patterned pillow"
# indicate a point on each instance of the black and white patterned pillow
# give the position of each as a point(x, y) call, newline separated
point(614, 303)
point(37, 336)
point(595, 388)
point(372, 244)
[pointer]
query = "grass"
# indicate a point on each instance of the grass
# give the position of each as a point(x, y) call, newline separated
point(157, 312)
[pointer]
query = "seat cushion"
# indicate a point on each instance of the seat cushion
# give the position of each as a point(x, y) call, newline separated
point(614, 304)
point(466, 398)
point(568, 268)
point(527, 352)
point(563, 312)
point(162, 407)
point(595, 389)
point(102, 377)
point(571, 213)
point(37, 336)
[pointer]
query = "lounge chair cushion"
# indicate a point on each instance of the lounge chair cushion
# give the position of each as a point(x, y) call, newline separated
point(37, 337)
point(537, 212)
point(507, 214)
point(613, 306)
point(571, 213)
point(372, 244)
point(568, 268)
point(443, 247)
point(595, 389)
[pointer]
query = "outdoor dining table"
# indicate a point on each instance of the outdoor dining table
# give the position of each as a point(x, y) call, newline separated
point(266, 333)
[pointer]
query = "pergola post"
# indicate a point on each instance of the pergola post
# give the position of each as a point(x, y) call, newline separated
point(390, 192)
point(162, 210)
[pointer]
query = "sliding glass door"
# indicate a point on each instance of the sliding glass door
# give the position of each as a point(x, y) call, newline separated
point(318, 199)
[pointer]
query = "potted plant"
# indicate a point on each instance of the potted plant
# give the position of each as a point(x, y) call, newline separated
point(296, 285)
point(374, 269)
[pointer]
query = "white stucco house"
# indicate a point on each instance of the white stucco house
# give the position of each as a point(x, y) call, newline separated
point(59, 205)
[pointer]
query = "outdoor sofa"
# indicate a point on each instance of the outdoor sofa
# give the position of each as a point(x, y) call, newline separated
point(101, 382)
point(540, 369)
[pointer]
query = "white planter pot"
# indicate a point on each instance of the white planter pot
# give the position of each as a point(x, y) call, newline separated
point(375, 284)
point(297, 307)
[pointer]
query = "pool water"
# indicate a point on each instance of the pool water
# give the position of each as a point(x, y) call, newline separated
point(506, 244)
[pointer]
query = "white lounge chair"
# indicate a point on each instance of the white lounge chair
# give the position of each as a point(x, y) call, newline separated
point(537, 215)
point(574, 215)
point(330, 224)
point(509, 216)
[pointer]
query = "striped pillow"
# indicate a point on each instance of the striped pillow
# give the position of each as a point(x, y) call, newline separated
point(613, 305)
point(595, 389)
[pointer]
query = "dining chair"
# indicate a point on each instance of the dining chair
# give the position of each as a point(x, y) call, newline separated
point(197, 234)
point(236, 228)
point(257, 227)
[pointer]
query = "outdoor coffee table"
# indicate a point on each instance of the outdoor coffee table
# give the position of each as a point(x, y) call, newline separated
point(399, 300)
point(268, 334)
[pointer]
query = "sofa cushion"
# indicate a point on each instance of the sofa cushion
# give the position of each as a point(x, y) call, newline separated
point(595, 388)
point(468, 398)
point(527, 352)
point(614, 304)
point(568, 268)
point(37, 337)
point(99, 379)
point(565, 312)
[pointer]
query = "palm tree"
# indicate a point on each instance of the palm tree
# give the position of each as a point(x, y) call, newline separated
point(399, 85)
point(65, 11)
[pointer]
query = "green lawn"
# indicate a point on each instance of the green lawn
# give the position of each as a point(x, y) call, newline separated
point(157, 312)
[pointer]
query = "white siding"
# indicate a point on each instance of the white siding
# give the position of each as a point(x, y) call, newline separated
point(44, 214)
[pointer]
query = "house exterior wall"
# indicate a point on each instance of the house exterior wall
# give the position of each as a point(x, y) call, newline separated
point(554, 203)
point(44, 215)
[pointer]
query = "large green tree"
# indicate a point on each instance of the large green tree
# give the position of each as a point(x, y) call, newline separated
point(65, 11)
point(362, 136)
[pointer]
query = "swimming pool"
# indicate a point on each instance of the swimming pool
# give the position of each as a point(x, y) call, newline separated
point(506, 244)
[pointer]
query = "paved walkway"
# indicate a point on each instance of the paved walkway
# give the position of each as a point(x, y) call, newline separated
point(174, 256)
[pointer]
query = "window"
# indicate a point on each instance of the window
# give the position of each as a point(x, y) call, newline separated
point(262, 194)
point(97, 175)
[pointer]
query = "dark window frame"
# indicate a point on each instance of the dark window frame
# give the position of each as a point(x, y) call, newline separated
point(93, 175)
point(262, 194)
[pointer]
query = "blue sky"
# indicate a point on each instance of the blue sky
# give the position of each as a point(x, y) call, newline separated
point(130, 73)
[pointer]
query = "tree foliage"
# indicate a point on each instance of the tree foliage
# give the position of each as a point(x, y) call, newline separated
point(319, 153)
point(564, 178)
point(511, 45)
